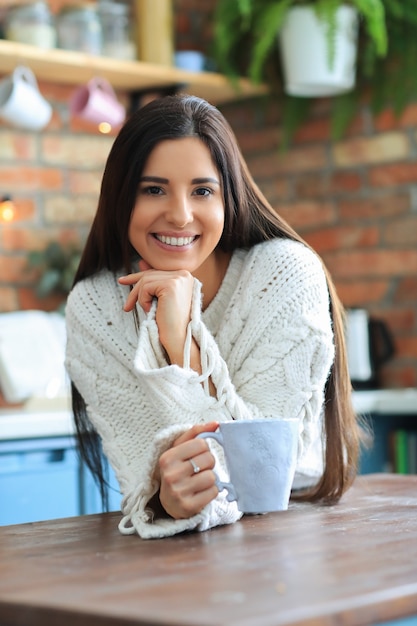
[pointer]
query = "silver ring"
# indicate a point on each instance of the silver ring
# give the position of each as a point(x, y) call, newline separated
point(196, 469)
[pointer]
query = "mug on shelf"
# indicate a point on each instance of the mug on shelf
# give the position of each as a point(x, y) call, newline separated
point(96, 102)
point(191, 60)
point(261, 457)
point(21, 102)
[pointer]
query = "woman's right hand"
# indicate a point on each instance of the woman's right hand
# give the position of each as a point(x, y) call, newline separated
point(173, 290)
point(184, 493)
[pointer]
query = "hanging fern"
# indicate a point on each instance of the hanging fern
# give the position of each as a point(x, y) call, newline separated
point(238, 23)
point(245, 42)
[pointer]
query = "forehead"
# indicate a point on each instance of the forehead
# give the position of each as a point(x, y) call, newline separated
point(186, 152)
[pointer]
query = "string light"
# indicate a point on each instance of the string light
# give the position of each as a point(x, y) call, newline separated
point(7, 209)
point(104, 127)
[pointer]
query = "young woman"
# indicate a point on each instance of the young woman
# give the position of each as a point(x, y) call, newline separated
point(195, 303)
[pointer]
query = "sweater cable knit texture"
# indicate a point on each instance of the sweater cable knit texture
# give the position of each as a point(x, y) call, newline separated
point(265, 341)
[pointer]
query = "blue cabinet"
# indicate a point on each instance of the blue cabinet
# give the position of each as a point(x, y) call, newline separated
point(44, 479)
point(90, 493)
point(38, 480)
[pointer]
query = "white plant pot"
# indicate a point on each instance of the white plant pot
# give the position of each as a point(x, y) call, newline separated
point(305, 54)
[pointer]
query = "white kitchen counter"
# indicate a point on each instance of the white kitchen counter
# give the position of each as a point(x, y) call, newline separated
point(39, 417)
point(386, 401)
point(52, 418)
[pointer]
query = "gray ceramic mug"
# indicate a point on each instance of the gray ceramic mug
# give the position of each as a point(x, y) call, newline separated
point(261, 458)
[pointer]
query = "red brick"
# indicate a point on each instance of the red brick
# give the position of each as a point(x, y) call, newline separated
point(275, 189)
point(8, 299)
point(393, 174)
point(86, 151)
point(312, 186)
point(24, 210)
point(29, 300)
point(359, 293)
point(374, 208)
point(313, 130)
point(297, 160)
point(252, 141)
point(406, 290)
point(387, 120)
point(398, 376)
point(242, 116)
point(20, 178)
point(401, 232)
point(321, 184)
point(84, 182)
point(304, 215)
point(13, 269)
point(366, 150)
point(402, 320)
point(17, 145)
point(372, 263)
point(78, 209)
point(337, 238)
point(344, 181)
point(25, 239)
point(406, 347)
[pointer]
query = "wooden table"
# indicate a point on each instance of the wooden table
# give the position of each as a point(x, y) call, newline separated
point(350, 564)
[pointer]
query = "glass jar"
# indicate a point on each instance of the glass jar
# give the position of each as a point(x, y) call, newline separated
point(32, 24)
point(115, 21)
point(79, 28)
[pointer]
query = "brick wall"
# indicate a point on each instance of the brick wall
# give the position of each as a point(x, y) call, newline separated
point(354, 201)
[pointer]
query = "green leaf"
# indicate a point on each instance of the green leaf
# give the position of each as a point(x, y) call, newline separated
point(343, 112)
point(266, 26)
point(48, 282)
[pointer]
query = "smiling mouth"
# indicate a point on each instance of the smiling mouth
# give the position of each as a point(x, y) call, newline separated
point(176, 241)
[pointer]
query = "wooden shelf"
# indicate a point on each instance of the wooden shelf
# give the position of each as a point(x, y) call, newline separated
point(74, 68)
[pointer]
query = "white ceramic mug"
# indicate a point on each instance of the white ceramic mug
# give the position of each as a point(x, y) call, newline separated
point(261, 458)
point(96, 102)
point(21, 103)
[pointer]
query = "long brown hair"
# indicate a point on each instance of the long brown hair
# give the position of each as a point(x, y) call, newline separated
point(249, 219)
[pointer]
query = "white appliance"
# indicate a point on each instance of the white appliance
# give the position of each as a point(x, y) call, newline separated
point(369, 346)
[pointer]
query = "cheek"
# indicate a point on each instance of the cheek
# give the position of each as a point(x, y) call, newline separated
point(135, 224)
point(217, 219)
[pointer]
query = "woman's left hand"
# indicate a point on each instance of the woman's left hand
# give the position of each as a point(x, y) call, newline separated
point(184, 492)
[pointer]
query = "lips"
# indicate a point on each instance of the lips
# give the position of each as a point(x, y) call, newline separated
point(176, 241)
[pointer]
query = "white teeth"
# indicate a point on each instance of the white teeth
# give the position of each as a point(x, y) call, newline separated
point(175, 241)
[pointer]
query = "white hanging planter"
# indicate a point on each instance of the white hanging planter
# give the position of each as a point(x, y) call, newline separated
point(305, 53)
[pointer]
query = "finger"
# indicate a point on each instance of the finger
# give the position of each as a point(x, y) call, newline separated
point(137, 294)
point(129, 279)
point(200, 463)
point(190, 504)
point(196, 430)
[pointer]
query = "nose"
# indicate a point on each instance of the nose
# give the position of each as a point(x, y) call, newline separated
point(180, 212)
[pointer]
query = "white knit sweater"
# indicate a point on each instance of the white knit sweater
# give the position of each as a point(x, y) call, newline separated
point(265, 340)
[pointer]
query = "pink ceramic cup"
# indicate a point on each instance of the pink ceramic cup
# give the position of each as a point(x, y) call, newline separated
point(96, 102)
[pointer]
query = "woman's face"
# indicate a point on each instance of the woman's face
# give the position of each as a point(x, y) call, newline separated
point(178, 216)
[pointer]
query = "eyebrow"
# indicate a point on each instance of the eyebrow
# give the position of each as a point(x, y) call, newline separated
point(195, 181)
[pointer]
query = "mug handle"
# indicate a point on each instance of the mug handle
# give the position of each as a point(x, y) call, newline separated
point(25, 73)
point(103, 84)
point(231, 492)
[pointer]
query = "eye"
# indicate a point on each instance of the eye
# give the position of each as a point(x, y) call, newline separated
point(152, 190)
point(203, 191)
